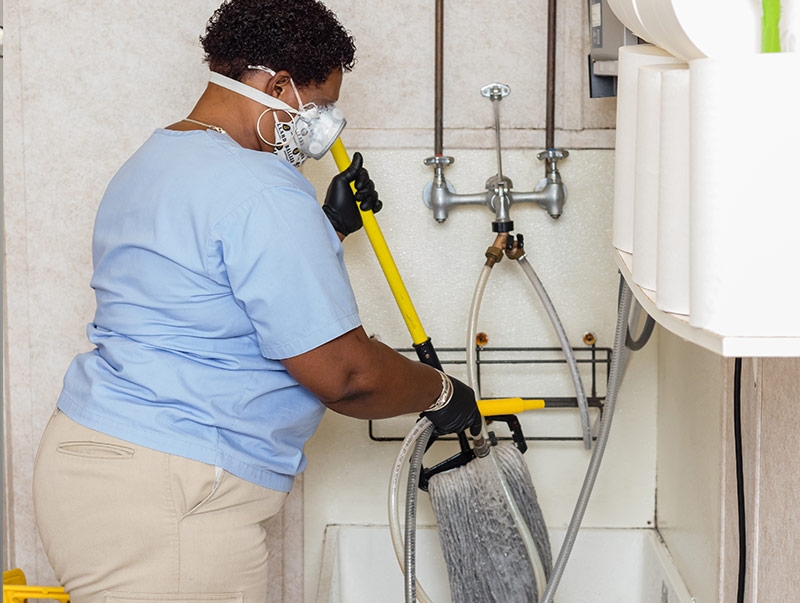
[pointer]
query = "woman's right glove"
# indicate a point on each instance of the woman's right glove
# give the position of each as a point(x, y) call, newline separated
point(455, 410)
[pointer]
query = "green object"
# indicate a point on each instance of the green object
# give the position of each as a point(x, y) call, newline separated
point(770, 32)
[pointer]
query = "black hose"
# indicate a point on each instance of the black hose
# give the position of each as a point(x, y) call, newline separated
point(634, 345)
point(647, 330)
point(737, 430)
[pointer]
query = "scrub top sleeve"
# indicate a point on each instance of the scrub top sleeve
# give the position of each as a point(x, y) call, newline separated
point(284, 264)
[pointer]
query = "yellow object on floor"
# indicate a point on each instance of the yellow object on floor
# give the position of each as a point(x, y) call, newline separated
point(16, 590)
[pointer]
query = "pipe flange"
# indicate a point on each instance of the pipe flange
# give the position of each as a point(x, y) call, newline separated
point(495, 91)
point(553, 154)
point(439, 160)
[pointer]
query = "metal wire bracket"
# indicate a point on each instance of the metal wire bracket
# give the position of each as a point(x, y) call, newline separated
point(599, 359)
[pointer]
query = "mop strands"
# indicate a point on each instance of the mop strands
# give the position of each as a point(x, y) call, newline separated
point(486, 557)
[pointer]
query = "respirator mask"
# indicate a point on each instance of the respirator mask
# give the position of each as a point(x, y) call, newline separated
point(311, 131)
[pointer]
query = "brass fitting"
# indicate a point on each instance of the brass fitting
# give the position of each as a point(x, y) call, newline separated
point(514, 251)
point(495, 253)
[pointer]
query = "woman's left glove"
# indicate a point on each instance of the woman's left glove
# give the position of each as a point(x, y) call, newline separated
point(340, 202)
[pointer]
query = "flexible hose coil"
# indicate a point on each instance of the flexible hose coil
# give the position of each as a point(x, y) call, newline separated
point(418, 432)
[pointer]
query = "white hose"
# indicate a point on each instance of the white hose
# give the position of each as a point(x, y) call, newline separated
point(472, 381)
point(583, 404)
point(472, 330)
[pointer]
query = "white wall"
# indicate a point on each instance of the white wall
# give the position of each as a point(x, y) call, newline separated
point(86, 83)
point(693, 435)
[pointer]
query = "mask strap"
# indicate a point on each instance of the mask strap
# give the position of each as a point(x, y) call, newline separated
point(262, 68)
point(277, 147)
point(300, 102)
point(260, 97)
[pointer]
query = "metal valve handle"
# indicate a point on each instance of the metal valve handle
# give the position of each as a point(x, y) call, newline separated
point(439, 160)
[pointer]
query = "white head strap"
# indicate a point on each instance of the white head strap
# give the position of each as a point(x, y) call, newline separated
point(250, 92)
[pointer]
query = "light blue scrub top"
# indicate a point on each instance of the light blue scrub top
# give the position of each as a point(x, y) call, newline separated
point(211, 263)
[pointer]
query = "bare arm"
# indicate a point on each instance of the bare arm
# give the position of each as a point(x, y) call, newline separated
point(363, 378)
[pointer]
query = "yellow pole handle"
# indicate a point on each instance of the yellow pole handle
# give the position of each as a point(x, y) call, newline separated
point(384, 256)
point(507, 406)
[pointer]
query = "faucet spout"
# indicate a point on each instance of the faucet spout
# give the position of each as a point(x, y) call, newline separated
point(435, 193)
point(499, 189)
point(554, 195)
point(550, 194)
point(553, 189)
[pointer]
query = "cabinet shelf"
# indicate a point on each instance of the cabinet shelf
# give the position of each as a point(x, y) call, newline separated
point(724, 345)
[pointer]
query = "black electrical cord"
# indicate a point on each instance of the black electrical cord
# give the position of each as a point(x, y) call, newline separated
point(737, 430)
point(637, 344)
point(647, 330)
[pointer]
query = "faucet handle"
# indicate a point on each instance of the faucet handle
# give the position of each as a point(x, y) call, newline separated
point(439, 160)
point(553, 154)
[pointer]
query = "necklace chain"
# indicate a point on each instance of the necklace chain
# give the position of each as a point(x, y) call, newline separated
point(209, 126)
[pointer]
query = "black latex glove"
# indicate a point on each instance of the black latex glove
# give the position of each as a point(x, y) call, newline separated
point(458, 415)
point(340, 202)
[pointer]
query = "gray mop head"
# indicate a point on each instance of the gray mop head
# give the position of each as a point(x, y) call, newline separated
point(486, 557)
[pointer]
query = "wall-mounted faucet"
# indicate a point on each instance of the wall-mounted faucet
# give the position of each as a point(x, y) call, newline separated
point(550, 193)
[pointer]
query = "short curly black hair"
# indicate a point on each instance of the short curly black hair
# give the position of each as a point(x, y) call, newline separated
point(301, 36)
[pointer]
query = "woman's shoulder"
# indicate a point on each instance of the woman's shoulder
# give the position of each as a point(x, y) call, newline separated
point(267, 169)
point(213, 158)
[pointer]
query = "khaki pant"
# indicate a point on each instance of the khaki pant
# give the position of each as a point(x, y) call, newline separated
point(125, 524)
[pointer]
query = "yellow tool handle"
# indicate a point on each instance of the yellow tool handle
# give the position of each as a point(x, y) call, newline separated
point(384, 256)
point(507, 406)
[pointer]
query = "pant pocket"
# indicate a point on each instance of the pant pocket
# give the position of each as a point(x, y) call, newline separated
point(96, 450)
point(127, 597)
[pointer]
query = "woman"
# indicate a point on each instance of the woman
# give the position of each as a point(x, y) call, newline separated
point(225, 325)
